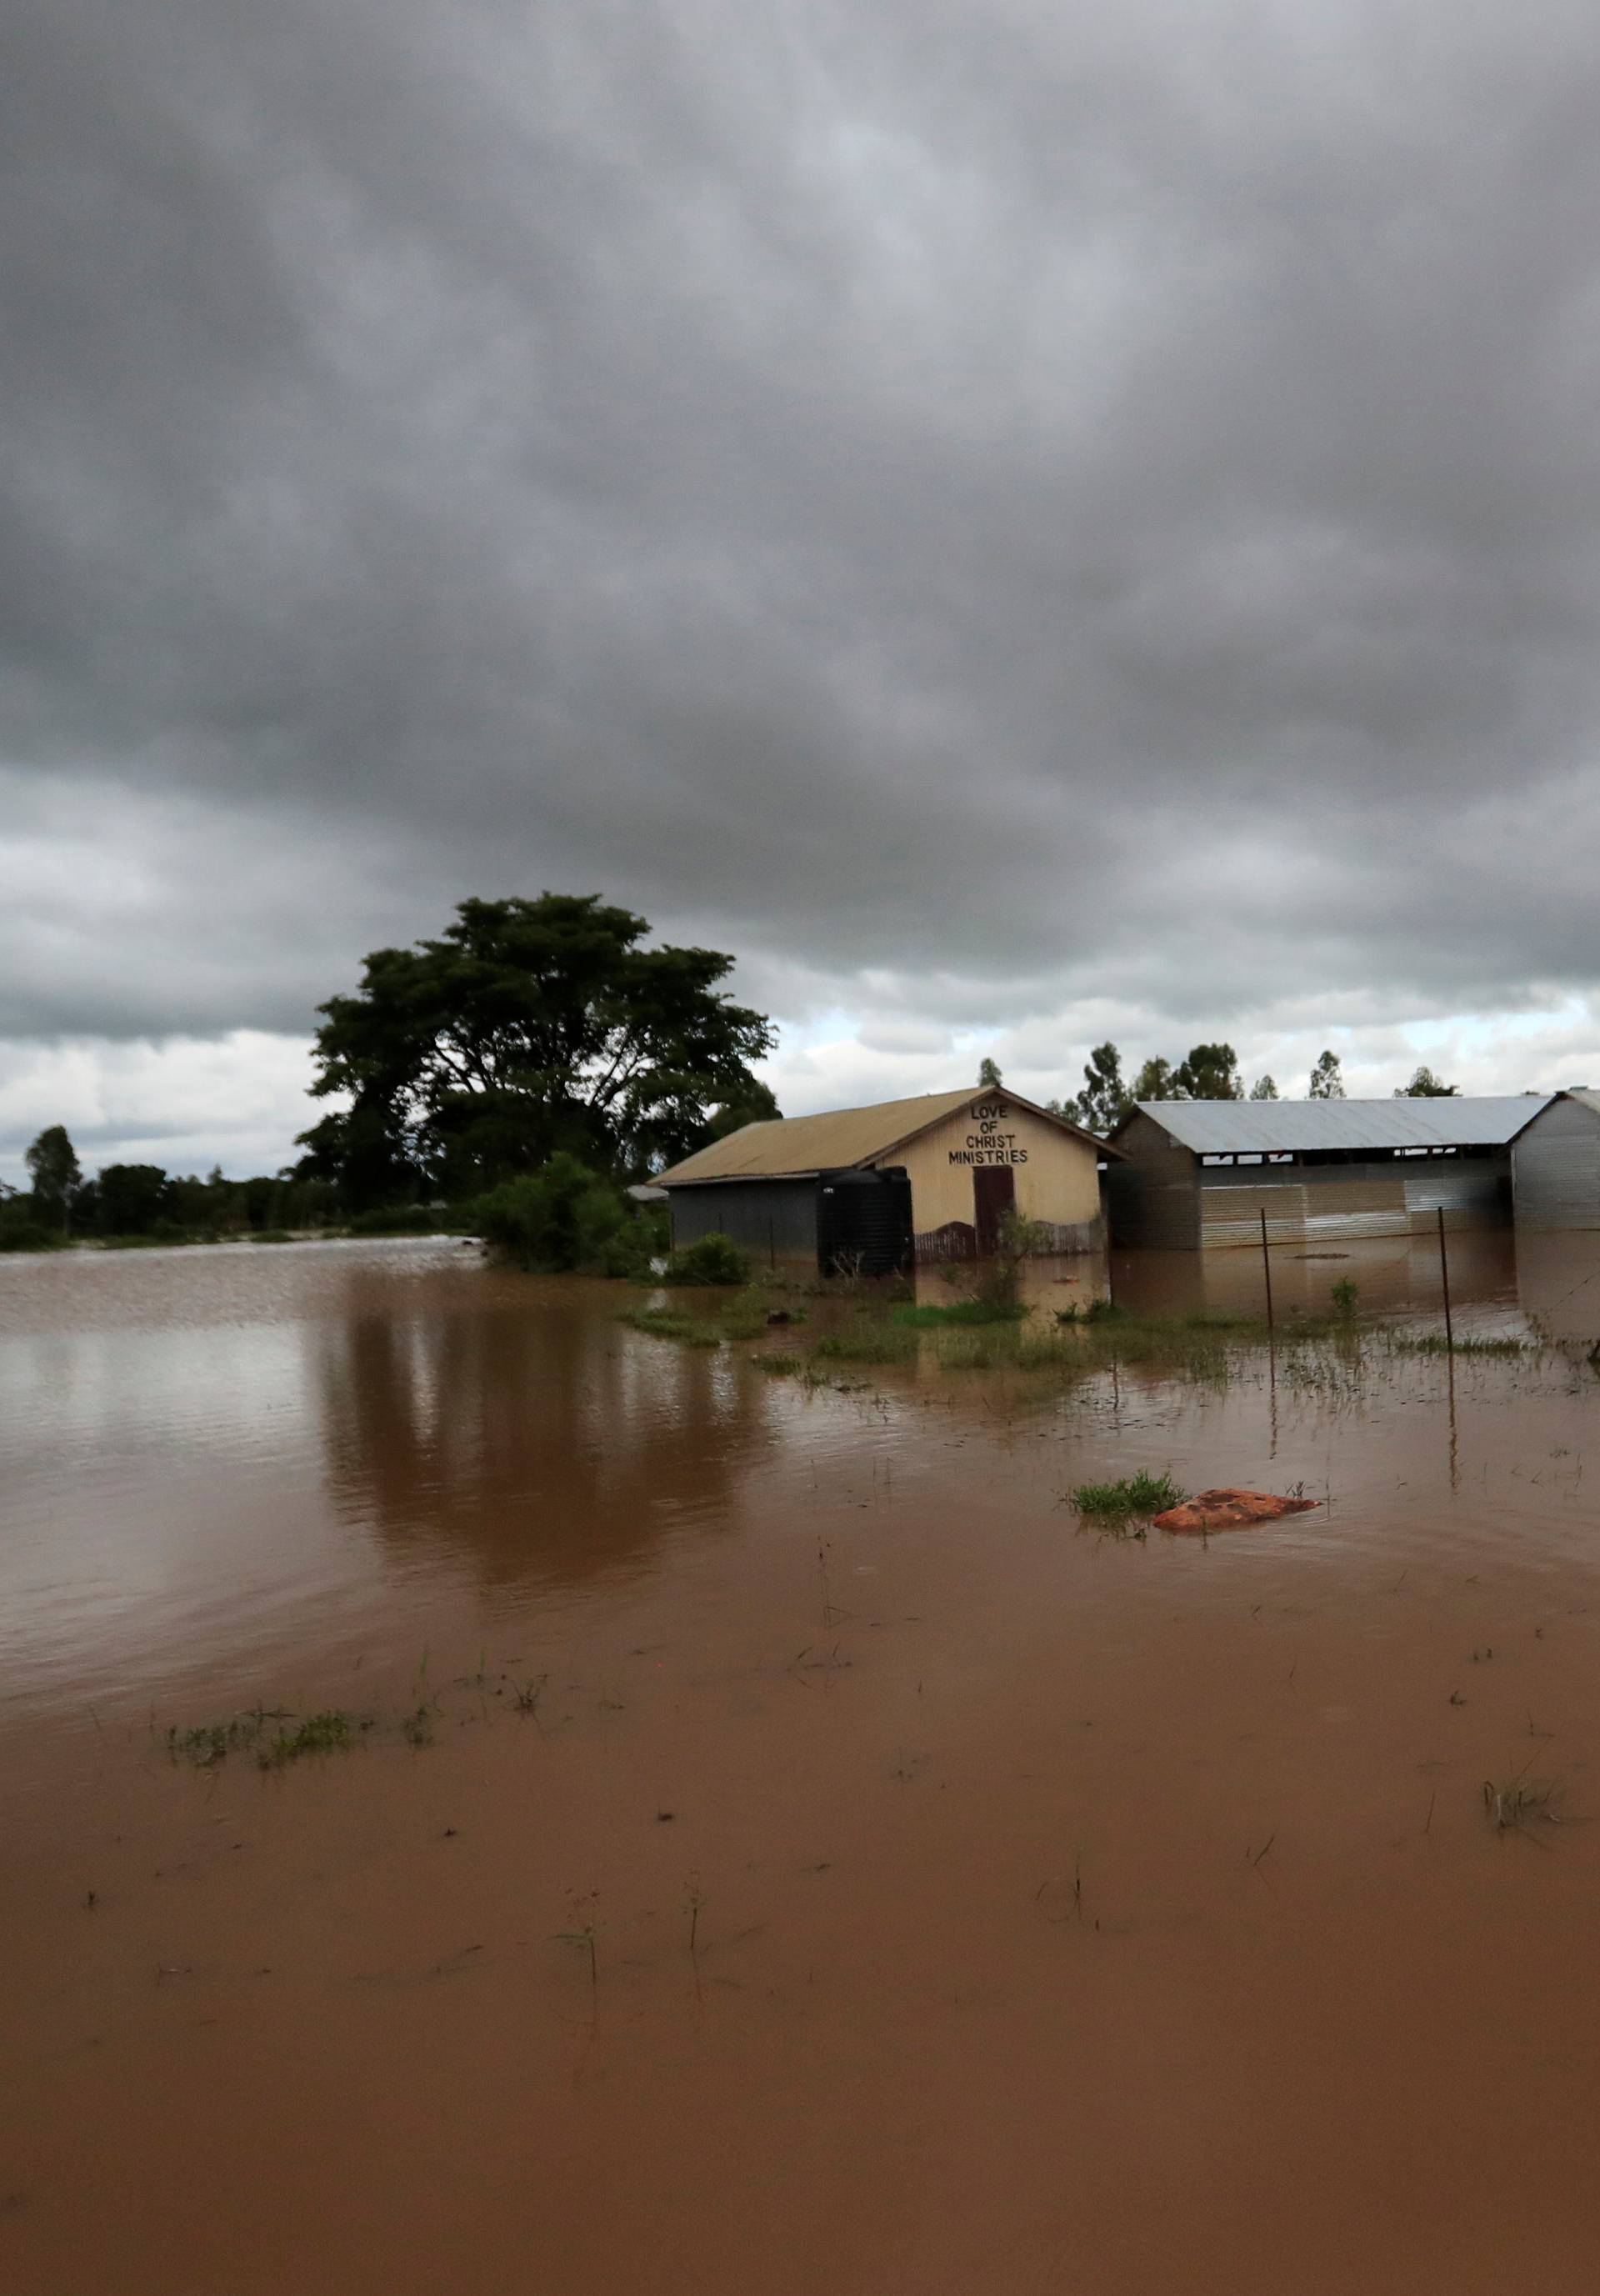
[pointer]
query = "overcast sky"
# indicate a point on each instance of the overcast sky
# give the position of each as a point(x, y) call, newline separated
point(1024, 521)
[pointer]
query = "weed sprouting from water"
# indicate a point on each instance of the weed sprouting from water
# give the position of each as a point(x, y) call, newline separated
point(1514, 1807)
point(527, 1694)
point(1135, 1499)
point(213, 1741)
point(694, 1905)
point(584, 1933)
point(331, 1731)
point(417, 1726)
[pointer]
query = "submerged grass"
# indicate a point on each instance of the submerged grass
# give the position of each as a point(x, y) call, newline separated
point(740, 1317)
point(332, 1732)
point(1325, 1351)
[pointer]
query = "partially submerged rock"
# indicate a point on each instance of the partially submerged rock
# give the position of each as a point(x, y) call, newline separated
point(1229, 1509)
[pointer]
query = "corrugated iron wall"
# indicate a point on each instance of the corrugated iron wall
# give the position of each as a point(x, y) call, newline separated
point(1556, 1166)
point(772, 1218)
point(1153, 1200)
point(1320, 1202)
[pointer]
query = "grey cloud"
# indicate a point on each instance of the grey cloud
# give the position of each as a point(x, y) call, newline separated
point(981, 511)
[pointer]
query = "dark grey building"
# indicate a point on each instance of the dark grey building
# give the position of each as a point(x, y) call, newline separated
point(1555, 1164)
point(1197, 1174)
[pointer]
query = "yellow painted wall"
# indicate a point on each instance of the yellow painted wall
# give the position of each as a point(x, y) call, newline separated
point(1056, 1176)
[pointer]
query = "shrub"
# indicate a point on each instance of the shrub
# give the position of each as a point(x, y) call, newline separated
point(1344, 1296)
point(394, 1220)
point(21, 1232)
point(712, 1259)
point(559, 1217)
point(645, 1237)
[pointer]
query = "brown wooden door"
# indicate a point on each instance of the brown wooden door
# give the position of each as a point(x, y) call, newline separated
point(994, 1194)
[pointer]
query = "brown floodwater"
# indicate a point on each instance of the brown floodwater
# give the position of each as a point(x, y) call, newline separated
point(884, 1885)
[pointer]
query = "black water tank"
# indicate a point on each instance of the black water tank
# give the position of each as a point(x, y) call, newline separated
point(863, 1222)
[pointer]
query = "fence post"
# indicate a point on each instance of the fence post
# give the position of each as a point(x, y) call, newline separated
point(1266, 1267)
point(1444, 1276)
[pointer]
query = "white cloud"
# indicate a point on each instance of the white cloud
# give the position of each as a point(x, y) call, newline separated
point(186, 1104)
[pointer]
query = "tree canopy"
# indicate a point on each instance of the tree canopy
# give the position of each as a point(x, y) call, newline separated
point(1425, 1086)
point(53, 1169)
point(528, 1028)
point(1105, 1099)
point(1327, 1079)
point(1208, 1072)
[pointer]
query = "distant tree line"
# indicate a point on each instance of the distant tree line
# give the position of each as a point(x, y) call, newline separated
point(144, 1203)
point(1206, 1072)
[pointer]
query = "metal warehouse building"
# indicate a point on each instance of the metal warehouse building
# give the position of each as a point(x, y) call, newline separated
point(1195, 1174)
point(932, 1177)
point(1555, 1164)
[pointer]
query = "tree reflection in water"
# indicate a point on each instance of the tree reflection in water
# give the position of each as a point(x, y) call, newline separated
point(516, 1422)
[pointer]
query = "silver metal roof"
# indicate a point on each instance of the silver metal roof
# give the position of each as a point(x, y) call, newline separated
point(1231, 1127)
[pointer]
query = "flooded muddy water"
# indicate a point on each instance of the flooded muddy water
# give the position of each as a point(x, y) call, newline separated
point(779, 1846)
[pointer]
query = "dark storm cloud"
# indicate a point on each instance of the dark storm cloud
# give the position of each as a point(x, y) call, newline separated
point(1026, 504)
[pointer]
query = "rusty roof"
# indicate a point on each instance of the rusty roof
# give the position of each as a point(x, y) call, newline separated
point(793, 1147)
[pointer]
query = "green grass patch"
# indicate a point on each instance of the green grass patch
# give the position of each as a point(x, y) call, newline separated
point(332, 1732)
point(1135, 1499)
point(959, 1313)
point(868, 1339)
point(1433, 1343)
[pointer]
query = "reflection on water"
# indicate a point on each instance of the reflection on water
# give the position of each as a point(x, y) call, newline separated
point(206, 1446)
point(221, 1448)
point(519, 1427)
point(1393, 1275)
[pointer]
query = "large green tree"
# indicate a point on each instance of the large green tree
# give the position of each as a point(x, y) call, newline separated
point(1425, 1086)
point(53, 1169)
point(528, 1028)
point(1208, 1072)
point(131, 1198)
point(1327, 1079)
point(758, 1105)
point(1104, 1099)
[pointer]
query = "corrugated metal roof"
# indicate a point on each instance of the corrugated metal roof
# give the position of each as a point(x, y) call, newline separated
point(792, 1146)
point(1231, 1127)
